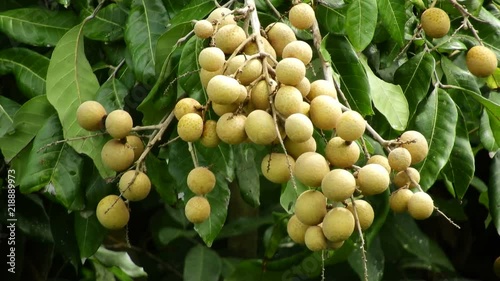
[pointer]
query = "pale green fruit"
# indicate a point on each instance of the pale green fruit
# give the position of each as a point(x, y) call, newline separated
point(338, 185)
point(298, 127)
point(296, 230)
point(197, 209)
point(136, 144)
point(288, 100)
point(302, 16)
point(90, 114)
point(407, 177)
point(381, 160)
point(229, 37)
point(119, 123)
point(300, 50)
point(398, 201)
point(481, 61)
point(211, 58)
point(203, 29)
point(350, 125)
point(185, 106)
point(322, 87)
point(435, 22)
point(221, 16)
point(340, 153)
point(201, 180)
point(399, 159)
point(112, 212)
point(116, 155)
point(295, 149)
point(310, 207)
point(134, 185)
point(365, 213)
point(290, 71)
point(209, 136)
point(324, 112)
point(314, 238)
point(274, 167)
point(338, 224)
point(279, 35)
point(373, 179)
point(190, 127)
point(416, 144)
point(260, 127)
point(310, 168)
point(222, 89)
point(420, 205)
point(231, 128)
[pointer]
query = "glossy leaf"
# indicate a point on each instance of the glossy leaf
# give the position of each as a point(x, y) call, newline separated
point(112, 95)
point(221, 159)
point(167, 43)
point(248, 174)
point(202, 264)
point(162, 182)
point(197, 9)
point(108, 25)
point(332, 19)
point(121, 260)
point(486, 134)
point(361, 21)
point(8, 109)
point(29, 68)
point(393, 16)
point(436, 120)
point(375, 261)
point(68, 85)
point(95, 187)
point(89, 233)
point(37, 26)
point(494, 192)
point(189, 78)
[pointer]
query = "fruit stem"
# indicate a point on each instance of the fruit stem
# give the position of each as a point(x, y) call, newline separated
point(271, 6)
point(360, 232)
point(71, 139)
point(192, 151)
point(466, 23)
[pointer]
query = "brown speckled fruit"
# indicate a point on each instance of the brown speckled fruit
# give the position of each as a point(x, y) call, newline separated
point(211, 58)
point(302, 16)
point(201, 180)
point(338, 185)
point(373, 179)
point(116, 155)
point(203, 29)
point(314, 238)
point(322, 87)
point(119, 123)
point(398, 201)
point(274, 167)
point(300, 50)
point(134, 186)
point(112, 212)
point(324, 112)
point(416, 144)
point(229, 37)
point(260, 127)
point(420, 205)
point(288, 100)
point(209, 136)
point(222, 89)
point(407, 177)
point(259, 94)
point(298, 127)
point(231, 128)
point(136, 144)
point(197, 209)
point(298, 148)
point(296, 230)
point(338, 224)
point(311, 168)
point(310, 207)
point(399, 159)
point(190, 127)
point(89, 115)
point(481, 61)
point(435, 22)
point(290, 71)
point(340, 153)
point(186, 105)
point(279, 35)
point(365, 213)
point(350, 125)
point(221, 16)
point(381, 160)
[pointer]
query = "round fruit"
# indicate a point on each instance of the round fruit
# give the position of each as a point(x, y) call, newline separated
point(324, 112)
point(407, 177)
point(134, 185)
point(209, 136)
point(416, 144)
point(420, 205)
point(338, 185)
point(322, 87)
point(112, 212)
point(335, 245)
point(275, 168)
point(203, 29)
point(206, 76)
point(298, 127)
point(279, 35)
point(290, 71)
point(381, 160)
point(211, 59)
point(259, 95)
point(221, 109)
point(89, 115)
point(481, 61)
point(296, 230)
point(300, 50)
point(231, 128)
point(288, 100)
point(302, 16)
point(310, 207)
point(311, 168)
point(260, 127)
point(222, 16)
point(116, 155)
point(197, 209)
point(314, 238)
point(295, 149)
point(201, 180)
point(399, 159)
point(365, 213)
point(136, 144)
point(350, 125)
point(398, 201)
point(185, 106)
point(435, 22)
point(252, 48)
point(190, 127)
point(222, 89)
point(340, 153)
point(304, 86)
point(304, 109)
point(250, 72)
point(338, 224)
point(373, 179)
point(229, 37)
point(119, 123)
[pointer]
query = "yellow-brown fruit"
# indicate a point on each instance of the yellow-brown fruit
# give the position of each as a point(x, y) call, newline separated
point(435, 22)
point(206, 76)
point(381, 160)
point(290, 71)
point(201, 180)
point(481, 61)
point(407, 177)
point(136, 144)
point(295, 149)
point(338, 224)
point(251, 71)
point(112, 212)
point(373, 179)
point(322, 87)
point(119, 123)
point(296, 230)
point(274, 167)
point(190, 127)
point(496, 267)
point(233, 64)
point(304, 86)
point(350, 125)
point(310, 207)
point(338, 185)
point(209, 136)
point(222, 89)
point(211, 59)
point(314, 238)
point(365, 213)
point(203, 29)
point(252, 48)
point(302, 16)
point(420, 205)
point(279, 35)
point(416, 144)
point(221, 109)
point(298, 127)
point(311, 168)
point(197, 209)
point(185, 106)
point(116, 155)
point(259, 95)
point(324, 112)
point(340, 153)
point(231, 128)
point(304, 109)
point(288, 100)
point(243, 95)
point(229, 37)
point(399, 159)
point(298, 49)
point(222, 16)
point(335, 245)
point(260, 127)
point(134, 185)
point(89, 115)
point(398, 201)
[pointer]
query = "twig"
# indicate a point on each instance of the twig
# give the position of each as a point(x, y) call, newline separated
point(466, 23)
point(70, 139)
point(169, 142)
point(115, 70)
point(362, 246)
point(192, 151)
point(144, 128)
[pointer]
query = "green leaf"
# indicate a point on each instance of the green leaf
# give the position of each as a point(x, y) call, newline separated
point(494, 192)
point(161, 181)
point(121, 260)
point(189, 78)
point(388, 99)
point(202, 264)
point(252, 270)
point(36, 26)
point(361, 21)
point(375, 261)
point(69, 84)
point(414, 76)
point(436, 120)
point(353, 79)
point(96, 187)
point(112, 94)
point(248, 174)
point(221, 159)
point(393, 16)
point(331, 19)
point(65, 3)
point(89, 233)
point(289, 195)
point(32, 218)
point(145, 24)
point(27, 121)
point(460, 168)
point(167, 44)
point(29, 68)
point(486, 134)
point(8, 109)
point(169, 234)
point(196, 9)
point(107, 25)
point(65, 236)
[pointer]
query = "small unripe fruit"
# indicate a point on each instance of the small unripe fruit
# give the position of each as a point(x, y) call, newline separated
point(209, 136)
point(311, 168)
point(407, 177)
point(231, 128)
point(222, 89)
point(136, 144)
point(338, 224)
point(211, 58)
point(116, 155)
point(481, 61)
point(435, 22)
point(197, 209)
point(229, 37)
point(89, 115)
point(302, 16)
point(288, 100)
point(416, 144)
point(203, 29)
point(296, 230)
point(275, 168)
point(112, 212)
point(186, 105)
point(340, 153)
point(310, 207)
point(298, 127)
point(324, 112)
point(222, 16)
point(381, 160)
point(420, 205)
point(290, 71)
point(295, 149)
point(190, 127)
point(350, 125)
point(322, 87)
point(373, 179)
point(399, 159)
point(298, 49)
point(119, 123)
point(201, 180)
point(314, 238)
point(365, 213)
point(260, 127)
point(279, 35)
point(134, 186)
point(338, 185)
point(398, 201)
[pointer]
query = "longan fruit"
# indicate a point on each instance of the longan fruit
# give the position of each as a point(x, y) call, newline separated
point(221, 16)
point(231, 128)
point(298, 49)
point(201, 180)
point(302, 16)
point(435, 22)
point(209, 136)
point(420, 205)
point(381, 160)
point(304, 109)
point(203, 29)
point(221, 109)
point(338, 224)
point(136, 144)
point(251, 48)
point(206, 76)
point(295, 149)
point(373, 179)
point(296, 230)
point(116, 155)
point(311, 168)
point(186, 105)
point(134, 185)
point(119, 123)
point(190, 127)
point(304, 86)
point(233, 64)
point(398, 201)
point(350, 125)
point(365, 213)
point(250, 72)
point(259, 95)
point(112, 212)
point(405, 177)
point(260, 127)
point(399, 159)
point(90, 114)
point(229, 37)
point(298, 127)
point(338, 185)
point(481, 61)
point(314, 238)
point(416, 144)
point(322, 87)
point(288, 100)
point(274, 167)
point(211, 58)
point(223, 89)
point(197, 209)
point(324, 112)
point(279, 35)
point(290, 71)
point(340, 153)
point(310, 207)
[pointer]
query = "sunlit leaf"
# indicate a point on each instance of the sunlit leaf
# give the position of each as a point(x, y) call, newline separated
point(121, 260)
point(393, 16)
point(361, 21)
point(202, 264)
point(108, 25)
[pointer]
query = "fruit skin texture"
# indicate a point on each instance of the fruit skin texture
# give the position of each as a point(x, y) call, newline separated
point(302, 16)
point(276, 170)
point(481, 61)
point(298, 49)
point(298, 127)
point(116, 155)
point(350, 125)
point(310, 168)
point(288, 100)
point(399, 159)
point(324, 112)
point(185, 106)
point(201, 180)
point(117, 216)
point(381, 160)
point(136, 190)
point(341, 153)
point(89, 115)
point(136, 144)
point(222, 15)
point(322, 87)
point(209, 136)
point(296, 230)
point(416, 144)
point(310, 207)
point(211, 58)
point(260, 128)
point(190, 127)
point(259, 95)
point(398, 201)
point(420, 205)
point(231, 128)
point(314, 238)
point(290, 71)
point(435, 22)
point(203, 29)
point(197, 209)
point(338, 185)
point(206, 76)
point(279, 35)
point(296, 149)
point(222, 89)
point(373, 179)
point(365, 213)
point(119, 123)
point(403, 178)
point(338, 224)
point(229, 37)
